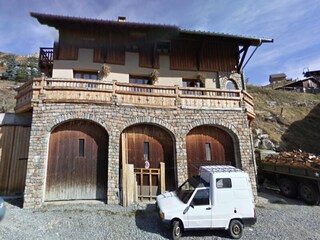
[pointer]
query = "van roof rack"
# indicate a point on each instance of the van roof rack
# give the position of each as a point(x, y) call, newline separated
point(219, 168)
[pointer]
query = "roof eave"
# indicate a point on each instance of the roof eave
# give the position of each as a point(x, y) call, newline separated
point(56, 21)
point(254, 41)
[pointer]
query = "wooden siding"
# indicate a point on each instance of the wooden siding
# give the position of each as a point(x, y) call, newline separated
point(222, 148)
point(160, 150)
point(186, 53)
point(183, 55)
point(14, 147)
point(148, 57)
point(218, 57)
point(71, 175)
point(203, 56)
point(116, 49)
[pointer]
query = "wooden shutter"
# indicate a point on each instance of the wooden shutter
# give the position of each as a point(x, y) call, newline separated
point(115, 49)
point(148, 57)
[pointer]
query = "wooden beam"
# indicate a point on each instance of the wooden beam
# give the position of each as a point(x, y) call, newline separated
point(162, 177)
point(124, 169)
point(244, 50)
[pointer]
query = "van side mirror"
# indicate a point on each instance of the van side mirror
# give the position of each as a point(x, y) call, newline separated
point(186, 210)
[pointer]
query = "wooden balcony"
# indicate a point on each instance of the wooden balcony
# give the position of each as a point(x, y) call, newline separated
point(100, 92)
point(46, 61)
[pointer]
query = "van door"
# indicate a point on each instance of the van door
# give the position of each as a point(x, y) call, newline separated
point(199, 212)
point(223, 204)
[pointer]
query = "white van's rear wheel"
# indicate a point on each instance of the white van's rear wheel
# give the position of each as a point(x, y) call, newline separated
point(176, 230)
point(235, 229)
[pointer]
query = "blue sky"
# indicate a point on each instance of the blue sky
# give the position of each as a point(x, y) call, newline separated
point(293, 24)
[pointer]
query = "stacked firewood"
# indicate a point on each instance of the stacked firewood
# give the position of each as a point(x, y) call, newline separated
point(295, 158)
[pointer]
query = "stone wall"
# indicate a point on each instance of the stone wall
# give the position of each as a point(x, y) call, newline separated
point(114, 119)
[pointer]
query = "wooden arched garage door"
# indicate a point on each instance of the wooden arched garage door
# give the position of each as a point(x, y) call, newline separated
point(152, 143)
point(208, 145)
point(77, 162)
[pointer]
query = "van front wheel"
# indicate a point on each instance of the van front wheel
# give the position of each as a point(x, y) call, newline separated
point(176, 230)
point(235, 229)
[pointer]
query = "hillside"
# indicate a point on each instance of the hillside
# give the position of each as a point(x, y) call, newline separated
point(18, 68)
point(291, 119)
point(7, 94)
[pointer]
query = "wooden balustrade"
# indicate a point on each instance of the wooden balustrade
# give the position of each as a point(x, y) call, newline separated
point(248, 104)
point(46, 56)
point(93, 91)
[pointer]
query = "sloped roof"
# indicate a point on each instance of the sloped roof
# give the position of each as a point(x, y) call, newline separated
point(312, 73)
point(292, 84)
point(57, 21)
point(278, 75)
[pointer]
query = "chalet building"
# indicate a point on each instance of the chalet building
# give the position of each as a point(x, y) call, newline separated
point(129, 110)
point(279, 77)
point(308, 85)
point(274, 79)
point(315, 74)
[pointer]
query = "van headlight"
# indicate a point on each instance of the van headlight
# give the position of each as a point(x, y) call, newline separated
point(162, 215)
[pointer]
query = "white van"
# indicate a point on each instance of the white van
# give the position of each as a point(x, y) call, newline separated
point(219, 198)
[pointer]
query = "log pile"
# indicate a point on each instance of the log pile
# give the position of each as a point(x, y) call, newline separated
point(295, 158)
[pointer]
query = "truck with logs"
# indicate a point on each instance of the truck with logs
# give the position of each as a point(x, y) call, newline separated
point(296, 173)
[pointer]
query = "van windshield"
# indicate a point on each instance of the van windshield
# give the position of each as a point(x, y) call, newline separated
point(185, 191)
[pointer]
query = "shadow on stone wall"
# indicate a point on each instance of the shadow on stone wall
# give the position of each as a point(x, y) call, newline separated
point(304, 134)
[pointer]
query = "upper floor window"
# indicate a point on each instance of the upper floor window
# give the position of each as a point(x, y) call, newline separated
point(140, 79)
point(186, 82)
point(195, 83)
point(231, 85)
point(146, 80)
point(85, 75)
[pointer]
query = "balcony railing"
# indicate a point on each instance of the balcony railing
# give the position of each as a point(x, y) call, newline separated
point(101, 92)
point(46, 56)
point(46, 60)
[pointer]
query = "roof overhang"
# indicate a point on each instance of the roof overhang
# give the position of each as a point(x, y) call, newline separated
point(166, 31)
point(58, 22)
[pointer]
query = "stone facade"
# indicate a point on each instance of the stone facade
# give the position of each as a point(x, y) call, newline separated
point(114, 119)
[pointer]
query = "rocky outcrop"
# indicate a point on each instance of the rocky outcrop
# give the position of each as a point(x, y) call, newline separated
point(262, 141)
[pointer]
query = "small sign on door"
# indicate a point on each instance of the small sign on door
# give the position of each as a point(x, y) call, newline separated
point(146, 164)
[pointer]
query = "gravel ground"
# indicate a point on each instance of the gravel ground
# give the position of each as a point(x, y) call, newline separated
point(278, 218)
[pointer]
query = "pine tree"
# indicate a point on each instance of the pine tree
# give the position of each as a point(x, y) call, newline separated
point(11, 72)
point(22, 73)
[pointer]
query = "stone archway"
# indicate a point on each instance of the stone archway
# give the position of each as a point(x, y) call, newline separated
point(77, 161)
point(151, 143)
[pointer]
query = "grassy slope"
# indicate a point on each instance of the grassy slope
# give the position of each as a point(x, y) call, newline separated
point(292, 119)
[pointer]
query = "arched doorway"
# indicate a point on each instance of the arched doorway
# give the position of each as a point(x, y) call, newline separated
point(77, 162)
point(143, 143)
point(208, 145)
